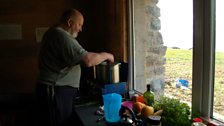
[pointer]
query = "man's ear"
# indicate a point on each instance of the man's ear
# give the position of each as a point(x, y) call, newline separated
point(69, 22)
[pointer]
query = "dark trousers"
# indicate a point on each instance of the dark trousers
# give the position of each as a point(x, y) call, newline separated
point(56, 105)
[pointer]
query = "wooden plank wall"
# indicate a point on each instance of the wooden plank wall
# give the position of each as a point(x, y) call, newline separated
point(18, 58)
point(104, 30)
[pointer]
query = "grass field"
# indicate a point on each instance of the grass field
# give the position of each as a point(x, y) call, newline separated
point(179, 65)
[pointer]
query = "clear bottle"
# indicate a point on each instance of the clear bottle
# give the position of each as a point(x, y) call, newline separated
point(148, 96)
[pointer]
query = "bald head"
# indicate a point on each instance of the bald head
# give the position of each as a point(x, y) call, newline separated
point(68, 14)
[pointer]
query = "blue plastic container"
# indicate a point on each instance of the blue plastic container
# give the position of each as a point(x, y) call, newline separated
point(112, 105)
point(184, 83)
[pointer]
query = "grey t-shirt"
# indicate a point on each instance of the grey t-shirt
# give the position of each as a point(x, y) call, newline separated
point(59, 59)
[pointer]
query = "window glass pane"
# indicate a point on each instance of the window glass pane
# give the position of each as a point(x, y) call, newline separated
point(177, 32)
point(158, 25)
point(149, 50)
point(218, 105)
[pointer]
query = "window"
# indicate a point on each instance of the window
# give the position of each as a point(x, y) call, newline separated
point(149, 49)
point(218, 106)
point(177, 31)
point(146, 43)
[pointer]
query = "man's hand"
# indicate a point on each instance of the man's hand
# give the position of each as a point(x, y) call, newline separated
point(110, 57)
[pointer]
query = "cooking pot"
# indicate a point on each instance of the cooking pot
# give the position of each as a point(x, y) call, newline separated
point(107, 73)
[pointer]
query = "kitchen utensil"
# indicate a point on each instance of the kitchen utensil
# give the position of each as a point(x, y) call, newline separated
point(107, 73)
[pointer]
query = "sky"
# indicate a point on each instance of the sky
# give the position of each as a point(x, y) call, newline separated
point(177, 26)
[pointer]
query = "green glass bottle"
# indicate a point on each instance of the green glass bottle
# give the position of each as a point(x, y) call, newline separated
point(148, 96)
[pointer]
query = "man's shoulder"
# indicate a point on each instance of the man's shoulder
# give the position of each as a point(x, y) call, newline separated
point(56, 32)
point(55, 29)
point(51, 30)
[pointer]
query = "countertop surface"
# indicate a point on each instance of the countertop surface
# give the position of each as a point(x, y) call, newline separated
point(88, 116)
point(86, 113)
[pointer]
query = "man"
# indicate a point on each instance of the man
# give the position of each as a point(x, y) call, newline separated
point(59, 69)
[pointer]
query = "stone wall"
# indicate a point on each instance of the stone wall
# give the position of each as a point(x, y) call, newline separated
point(149, 48)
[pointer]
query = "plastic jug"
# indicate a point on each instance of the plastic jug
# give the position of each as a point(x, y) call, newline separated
point(112, 105)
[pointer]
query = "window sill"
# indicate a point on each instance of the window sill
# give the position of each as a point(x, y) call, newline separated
point(211, 122)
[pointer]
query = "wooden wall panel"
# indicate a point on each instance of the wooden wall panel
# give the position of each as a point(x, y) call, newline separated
point(106, 27)
point(18, 74)
point(104, 30)
point(18, 58)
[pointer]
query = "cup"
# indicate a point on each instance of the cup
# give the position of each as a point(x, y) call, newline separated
point(112, 105)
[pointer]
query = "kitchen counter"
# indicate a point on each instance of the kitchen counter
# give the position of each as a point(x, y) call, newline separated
point(86, 113)
point(87, 107)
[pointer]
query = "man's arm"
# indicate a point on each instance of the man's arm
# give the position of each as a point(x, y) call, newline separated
point(92, 59)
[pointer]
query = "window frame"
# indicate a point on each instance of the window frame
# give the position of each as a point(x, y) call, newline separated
point(203, 55)
point(131, 51)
